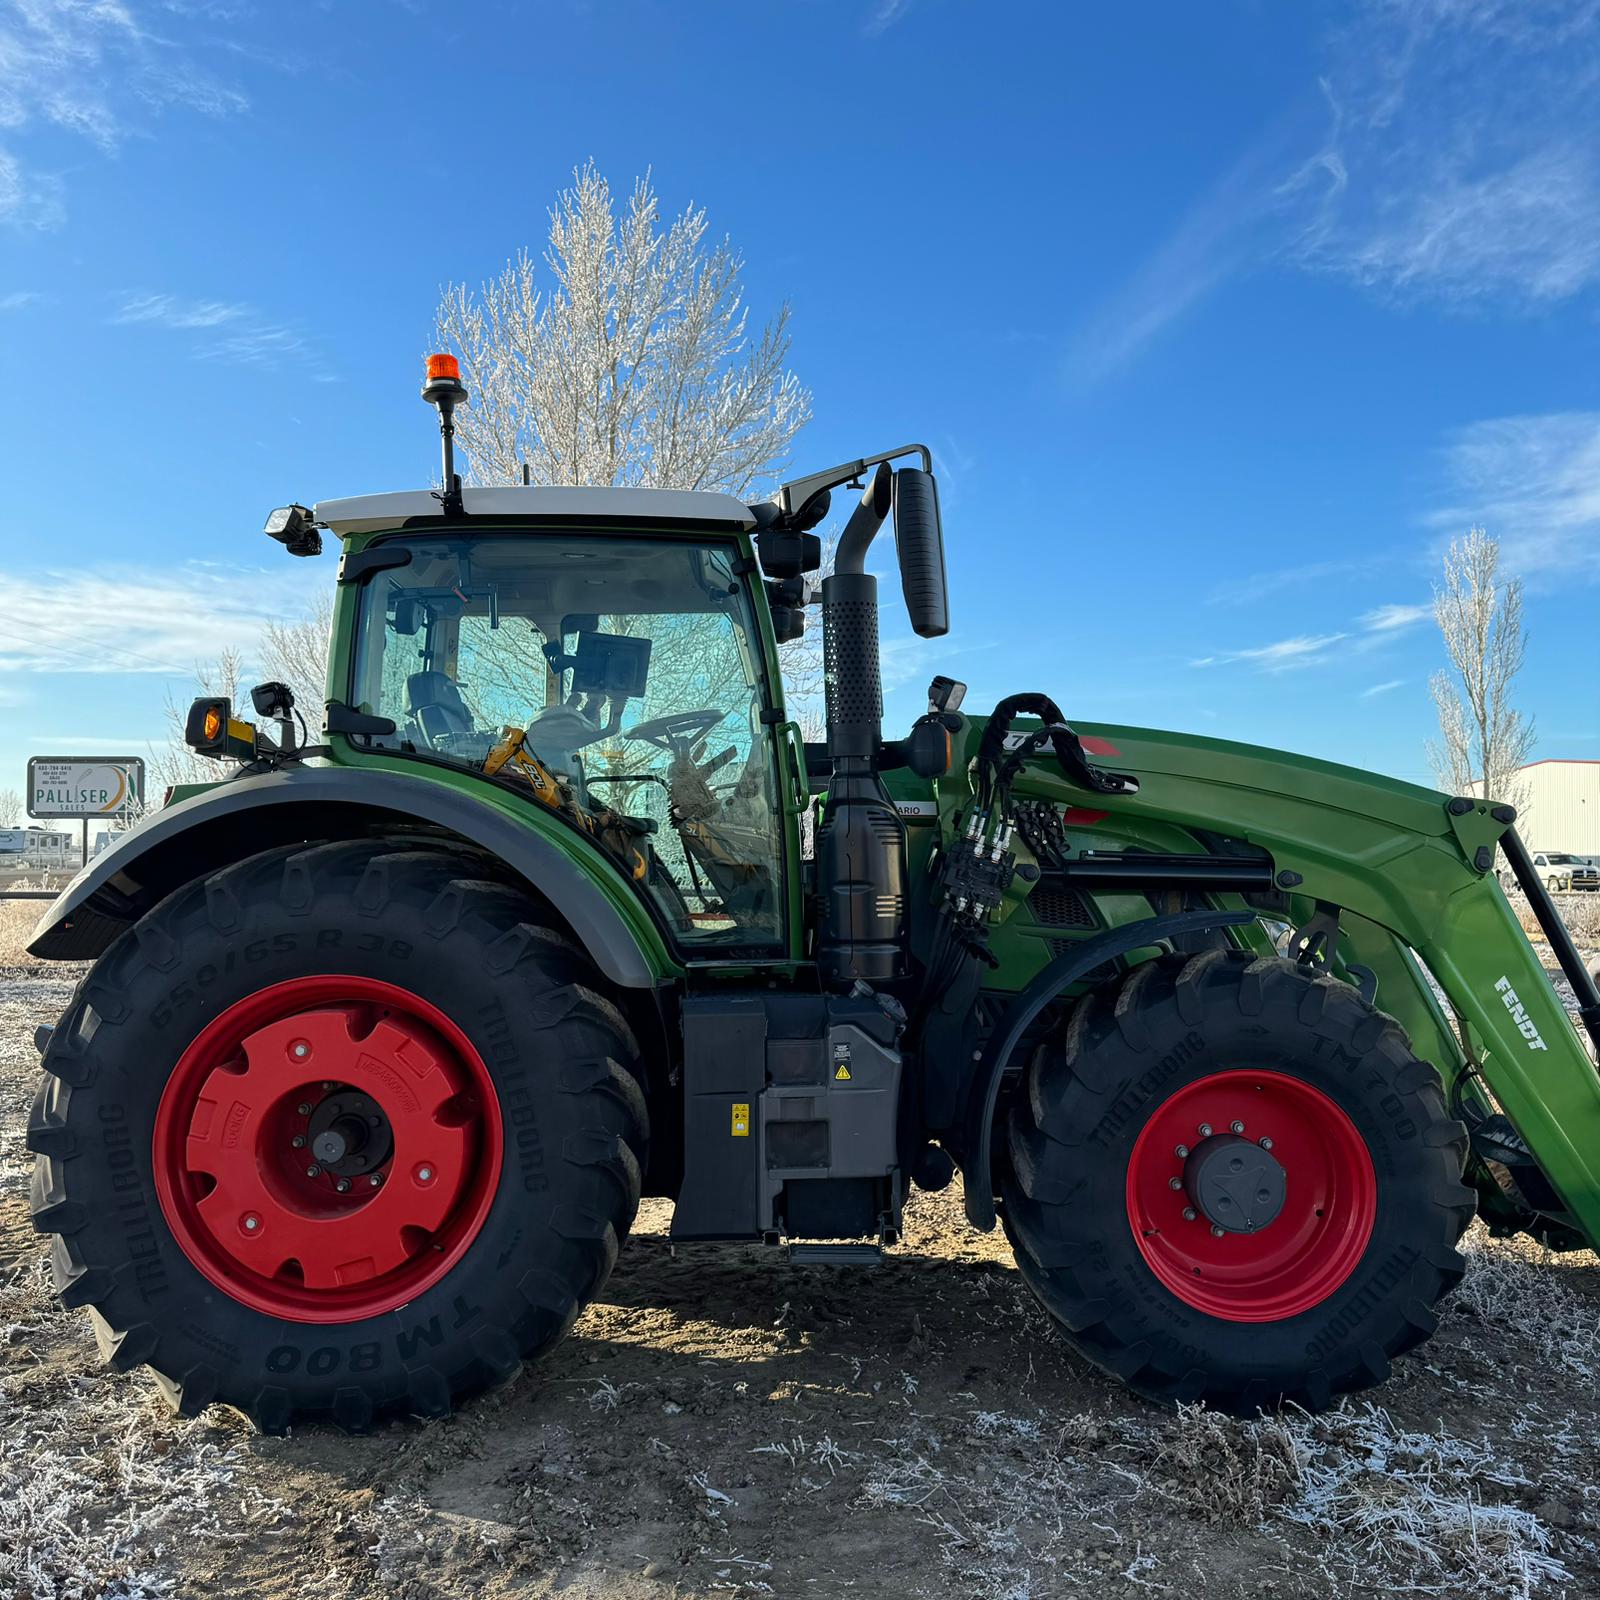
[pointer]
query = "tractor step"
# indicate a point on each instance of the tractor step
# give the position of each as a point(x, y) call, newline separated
point(41, 1037)
point(835, 1255)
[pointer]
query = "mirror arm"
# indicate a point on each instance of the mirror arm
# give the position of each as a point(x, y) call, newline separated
point(793, 498)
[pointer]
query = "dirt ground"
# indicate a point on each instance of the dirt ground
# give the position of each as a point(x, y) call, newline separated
point(723, 1423)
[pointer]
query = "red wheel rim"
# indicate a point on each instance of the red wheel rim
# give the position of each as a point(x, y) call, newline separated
point(235, 1187)
point(1293, 1262)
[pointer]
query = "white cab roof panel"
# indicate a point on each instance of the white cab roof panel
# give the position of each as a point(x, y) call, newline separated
point(366, 513)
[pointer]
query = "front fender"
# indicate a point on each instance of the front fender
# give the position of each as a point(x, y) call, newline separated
point(259, 811)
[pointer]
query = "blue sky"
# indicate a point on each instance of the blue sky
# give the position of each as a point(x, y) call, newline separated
point(1220, 319)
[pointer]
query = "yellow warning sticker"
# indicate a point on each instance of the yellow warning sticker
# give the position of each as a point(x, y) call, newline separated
point(841, 1073)
point(741, 1119)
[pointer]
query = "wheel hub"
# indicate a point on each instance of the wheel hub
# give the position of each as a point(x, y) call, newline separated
point(348, 1133)
point(1233, 1183)
point(1251, 1195)
point(327, 1148)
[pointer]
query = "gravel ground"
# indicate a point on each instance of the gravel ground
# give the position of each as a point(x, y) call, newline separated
point(722, 1423)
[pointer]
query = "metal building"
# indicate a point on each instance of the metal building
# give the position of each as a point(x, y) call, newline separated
point(1560, 807)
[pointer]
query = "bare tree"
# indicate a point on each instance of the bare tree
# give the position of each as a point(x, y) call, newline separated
point(10, 808)
point(1482, 738)
point(296, 653)
point(636, 368)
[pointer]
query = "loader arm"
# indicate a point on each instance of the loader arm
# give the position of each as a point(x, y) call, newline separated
point(1415, 883)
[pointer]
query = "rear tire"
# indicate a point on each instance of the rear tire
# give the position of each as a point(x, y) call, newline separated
point(481, 1209)
point(1314, 1299)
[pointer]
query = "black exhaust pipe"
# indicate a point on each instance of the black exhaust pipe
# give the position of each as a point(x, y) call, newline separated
point(861, 846)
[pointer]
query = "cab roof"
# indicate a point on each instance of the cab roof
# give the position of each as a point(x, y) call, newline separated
point(371, 513)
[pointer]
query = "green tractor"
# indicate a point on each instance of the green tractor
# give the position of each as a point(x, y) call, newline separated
point(386, 1035)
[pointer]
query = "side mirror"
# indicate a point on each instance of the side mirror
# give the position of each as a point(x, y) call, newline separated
point(920, 541)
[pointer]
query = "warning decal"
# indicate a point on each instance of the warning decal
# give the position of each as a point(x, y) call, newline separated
point(841, 1073)
point(741, 1119)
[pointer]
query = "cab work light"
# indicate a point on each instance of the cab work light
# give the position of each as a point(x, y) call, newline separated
point(211, 729)
point(294, 528)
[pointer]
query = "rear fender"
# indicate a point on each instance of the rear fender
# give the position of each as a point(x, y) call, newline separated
point(260, 811)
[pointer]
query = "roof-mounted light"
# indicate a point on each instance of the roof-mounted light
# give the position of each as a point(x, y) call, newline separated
point(445, 390)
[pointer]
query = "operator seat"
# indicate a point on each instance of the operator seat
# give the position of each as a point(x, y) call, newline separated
point(434, 701)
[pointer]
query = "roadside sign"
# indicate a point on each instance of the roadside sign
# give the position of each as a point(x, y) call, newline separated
point(85, 787)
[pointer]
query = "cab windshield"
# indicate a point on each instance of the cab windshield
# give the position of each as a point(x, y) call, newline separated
point(616, 681)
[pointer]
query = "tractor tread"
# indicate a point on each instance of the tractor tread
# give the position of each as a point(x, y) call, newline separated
point(595, 1162)
point(1081, 1087)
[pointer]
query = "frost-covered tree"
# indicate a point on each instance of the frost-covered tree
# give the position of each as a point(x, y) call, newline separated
point(295, 653)
point(636, 366)
point(10, 808)
point(1482, 737)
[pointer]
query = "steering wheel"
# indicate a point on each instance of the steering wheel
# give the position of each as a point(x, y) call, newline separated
point(677, 734)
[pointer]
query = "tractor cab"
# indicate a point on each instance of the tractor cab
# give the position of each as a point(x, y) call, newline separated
point(622, 681)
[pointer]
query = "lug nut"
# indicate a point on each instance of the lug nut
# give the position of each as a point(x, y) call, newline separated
point(1216, 1232)
point(327, 1088)
point(300, 1050)
point(313, 1171)
point(1189, 1213)
point(299, 1141)
point(1181, 1151)
point(1174, 1183)
point(424, 1174)
point(1205, 1130)
point(250, 1221)
point(343, 1186)
point(1236, 1127)
point(304, 1108)
point(376, 1179)
point(1266, 1144)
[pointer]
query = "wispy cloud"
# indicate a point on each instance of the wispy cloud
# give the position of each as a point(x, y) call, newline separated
point(1257, 586)
point(138, 621)
point(1458, 163)
point(1284, 655)
point(1534, 483)
point(1373, 631)
point(20, 299)
point(92, 68)
point(1383, 688)
point(883, 16)
point(171, 312)
point(1392, 618)
point(225, 331)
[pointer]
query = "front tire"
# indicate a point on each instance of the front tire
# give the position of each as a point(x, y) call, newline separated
point(1232, 1182)
point(340, 1132)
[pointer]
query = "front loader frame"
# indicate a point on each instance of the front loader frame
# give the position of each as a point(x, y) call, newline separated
point(1420, 915)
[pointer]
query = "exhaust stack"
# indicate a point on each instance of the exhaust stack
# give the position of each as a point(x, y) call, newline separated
point(861, 846)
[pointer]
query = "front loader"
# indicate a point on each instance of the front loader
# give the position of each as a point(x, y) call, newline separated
point(385, 1034)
